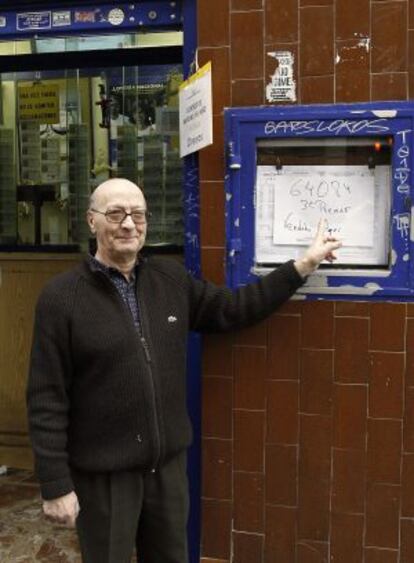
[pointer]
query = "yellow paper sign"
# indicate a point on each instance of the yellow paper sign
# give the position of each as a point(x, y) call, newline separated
point(39, 102)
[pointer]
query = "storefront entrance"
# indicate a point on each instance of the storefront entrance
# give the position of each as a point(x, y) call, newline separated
point(86, 94)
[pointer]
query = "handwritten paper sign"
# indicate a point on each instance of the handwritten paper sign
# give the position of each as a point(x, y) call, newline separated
point(196, 115)
point(342, 195)
point(366, 241)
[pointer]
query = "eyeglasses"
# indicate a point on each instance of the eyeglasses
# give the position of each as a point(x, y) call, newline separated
point(119, 215)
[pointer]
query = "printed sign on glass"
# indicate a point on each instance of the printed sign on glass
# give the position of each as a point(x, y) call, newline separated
point(39, 102)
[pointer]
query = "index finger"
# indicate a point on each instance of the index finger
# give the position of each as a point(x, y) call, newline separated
point(320, 231)
point(70, 522)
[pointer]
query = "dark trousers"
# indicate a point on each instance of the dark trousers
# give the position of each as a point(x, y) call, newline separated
point(130, 508)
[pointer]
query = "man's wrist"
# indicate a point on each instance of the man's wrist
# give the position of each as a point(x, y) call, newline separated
point(305, 267)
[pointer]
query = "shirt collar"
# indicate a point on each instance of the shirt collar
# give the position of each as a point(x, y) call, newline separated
point(97, 266)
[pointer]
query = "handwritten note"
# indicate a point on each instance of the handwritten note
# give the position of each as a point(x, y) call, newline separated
point(342, 195)
point(290, 202)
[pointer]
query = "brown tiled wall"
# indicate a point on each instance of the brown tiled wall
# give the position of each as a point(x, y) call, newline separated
point(308, 418)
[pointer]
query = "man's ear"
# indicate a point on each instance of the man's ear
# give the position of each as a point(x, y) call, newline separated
point(91, 222)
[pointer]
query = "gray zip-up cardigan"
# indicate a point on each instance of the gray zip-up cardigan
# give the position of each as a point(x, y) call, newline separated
point(104, 397)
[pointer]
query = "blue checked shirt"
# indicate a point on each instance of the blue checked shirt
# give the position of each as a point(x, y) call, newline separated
point(126, 289)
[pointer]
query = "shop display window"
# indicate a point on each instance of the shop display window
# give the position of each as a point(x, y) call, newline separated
point(65, 130)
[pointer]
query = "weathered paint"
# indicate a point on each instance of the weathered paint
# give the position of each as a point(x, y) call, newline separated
point(387, 114)
point(346, 289)
point(366, 43)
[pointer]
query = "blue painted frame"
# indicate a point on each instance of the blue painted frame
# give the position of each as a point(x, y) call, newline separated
point(193, 264)
point(244, 126)
point(185, 15)
point(93, 17)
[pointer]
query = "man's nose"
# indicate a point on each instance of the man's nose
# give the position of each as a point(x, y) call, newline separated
point(128, 223)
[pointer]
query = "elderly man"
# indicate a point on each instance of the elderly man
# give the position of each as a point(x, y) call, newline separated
point(106, 391)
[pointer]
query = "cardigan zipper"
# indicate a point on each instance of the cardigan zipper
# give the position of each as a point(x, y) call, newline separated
point(145, 346)
point(147, 354)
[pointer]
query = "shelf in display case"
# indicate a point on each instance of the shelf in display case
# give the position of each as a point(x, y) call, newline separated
point(37, 194)
point(30, 251)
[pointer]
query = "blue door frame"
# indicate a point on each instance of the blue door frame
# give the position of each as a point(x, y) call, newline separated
point(192, 257)
point(179, 14)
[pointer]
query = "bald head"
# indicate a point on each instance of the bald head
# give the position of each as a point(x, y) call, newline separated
point(113, 188)
point(117, 241)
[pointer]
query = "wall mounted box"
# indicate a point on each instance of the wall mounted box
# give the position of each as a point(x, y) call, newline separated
point(289, 166)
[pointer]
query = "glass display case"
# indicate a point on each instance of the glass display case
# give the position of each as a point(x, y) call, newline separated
point(65, 130)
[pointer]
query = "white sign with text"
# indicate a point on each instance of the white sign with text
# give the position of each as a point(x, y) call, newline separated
point(342, 195)
point(196, 115)
point(354, 200)
point(282, 87)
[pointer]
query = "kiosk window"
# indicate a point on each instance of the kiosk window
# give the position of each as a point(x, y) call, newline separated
point(350, 164)
point(346, 181)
